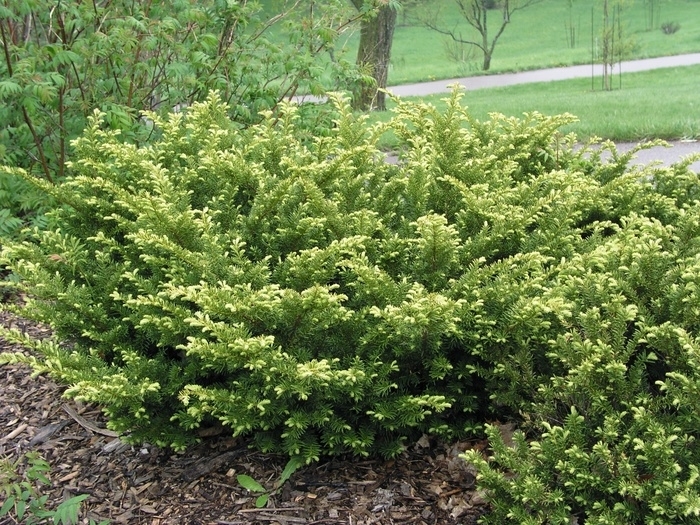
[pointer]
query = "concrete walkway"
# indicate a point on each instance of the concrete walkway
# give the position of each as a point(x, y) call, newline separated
point(666, 156)
point(541, 75)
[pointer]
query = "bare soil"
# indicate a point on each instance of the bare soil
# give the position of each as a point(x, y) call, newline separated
point(428, 484)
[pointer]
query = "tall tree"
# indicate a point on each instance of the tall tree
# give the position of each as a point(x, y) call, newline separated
point(374, 53)
point(476, 13)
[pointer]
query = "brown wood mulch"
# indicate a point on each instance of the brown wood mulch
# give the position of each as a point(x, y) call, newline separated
point(428, 484)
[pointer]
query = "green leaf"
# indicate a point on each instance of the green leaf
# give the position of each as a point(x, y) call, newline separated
point(249, 483)
point(8, 88)
point(262, 501)
point(67, 512)
point(9, 503)
point(21, 506)
point(75, 500)
point(292, 465)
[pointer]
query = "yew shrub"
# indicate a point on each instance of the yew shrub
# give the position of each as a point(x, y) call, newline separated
point(321, 300)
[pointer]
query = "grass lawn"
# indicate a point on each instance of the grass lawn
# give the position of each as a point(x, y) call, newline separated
point(658, 104)
point(662, 103)
point(537, 37)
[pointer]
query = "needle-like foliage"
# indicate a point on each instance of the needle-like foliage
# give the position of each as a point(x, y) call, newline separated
point(321, 300)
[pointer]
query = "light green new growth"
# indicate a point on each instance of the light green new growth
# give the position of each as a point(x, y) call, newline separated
point(314, 297)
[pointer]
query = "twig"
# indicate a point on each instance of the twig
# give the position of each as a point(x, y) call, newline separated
point(281, 509)
point(282, 519)
point(16, 432)
point(87, 425)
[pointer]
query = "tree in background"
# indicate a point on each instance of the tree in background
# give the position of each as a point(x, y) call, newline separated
point(653, 13)
point(570, 27)
point(374, 52)
point(476, 13)
point(407, 7)
point(614, 45)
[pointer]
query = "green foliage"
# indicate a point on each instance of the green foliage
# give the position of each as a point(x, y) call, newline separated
point(62, 60)
point(24, 502)
point(253, 486)
point(612, 424)
point(21, 204)
point(320, 300)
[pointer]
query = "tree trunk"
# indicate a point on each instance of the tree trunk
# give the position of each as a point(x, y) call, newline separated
point(376, 36)
point(487, 49)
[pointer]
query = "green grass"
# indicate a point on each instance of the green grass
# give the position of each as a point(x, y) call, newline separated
point(537, 37)
point(662, 103)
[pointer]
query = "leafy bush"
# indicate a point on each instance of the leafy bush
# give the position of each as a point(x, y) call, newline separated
point(669, 28)
point(311, 295)
point(321, 300)
point(610, 436)
point(60, 60)
point(24, 502)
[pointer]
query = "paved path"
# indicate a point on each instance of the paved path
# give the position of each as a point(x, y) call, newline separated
point(541, 75)
point(678, 150)
point(666, 156)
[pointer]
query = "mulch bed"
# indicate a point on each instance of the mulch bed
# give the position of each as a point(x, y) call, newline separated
point(428, 484)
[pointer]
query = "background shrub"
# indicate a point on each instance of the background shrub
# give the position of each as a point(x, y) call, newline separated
point(61, 60)
point(669, 28)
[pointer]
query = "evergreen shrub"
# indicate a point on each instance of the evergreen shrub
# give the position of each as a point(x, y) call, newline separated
point(321, 300)
point(610, 436)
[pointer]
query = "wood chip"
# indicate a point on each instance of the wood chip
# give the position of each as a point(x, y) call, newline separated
point(46, 432)
point(209, 465)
